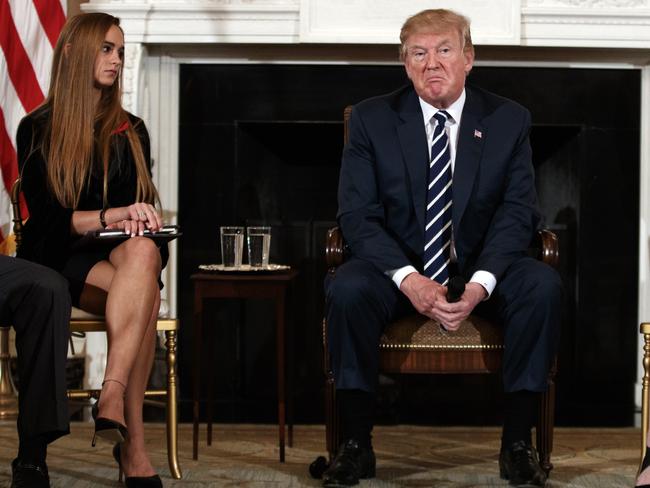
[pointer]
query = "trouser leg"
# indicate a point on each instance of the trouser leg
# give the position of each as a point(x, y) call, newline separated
point(527, 300)
point(360, 302)
point(36, 301)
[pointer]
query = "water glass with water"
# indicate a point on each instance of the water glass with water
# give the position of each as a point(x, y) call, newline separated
point(258, 241)
point(232, 246)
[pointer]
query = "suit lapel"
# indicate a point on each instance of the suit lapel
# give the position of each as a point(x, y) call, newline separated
point(471, 137)
point(412, 137)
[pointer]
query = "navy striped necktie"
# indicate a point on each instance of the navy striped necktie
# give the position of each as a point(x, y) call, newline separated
point(437, 228)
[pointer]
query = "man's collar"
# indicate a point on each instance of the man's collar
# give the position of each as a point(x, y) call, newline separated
point(455, 109)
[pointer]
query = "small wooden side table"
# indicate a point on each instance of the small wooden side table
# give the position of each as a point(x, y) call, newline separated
point(271, 285)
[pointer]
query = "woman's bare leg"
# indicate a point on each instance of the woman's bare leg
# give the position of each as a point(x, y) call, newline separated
point(131, 306)
point(135, 459)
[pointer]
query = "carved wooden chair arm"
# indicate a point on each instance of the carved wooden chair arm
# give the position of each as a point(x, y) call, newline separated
point(544, 247)
point(334, 248)
point(547, 247)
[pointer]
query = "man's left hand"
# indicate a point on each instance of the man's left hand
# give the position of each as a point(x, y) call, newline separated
point(451, 315)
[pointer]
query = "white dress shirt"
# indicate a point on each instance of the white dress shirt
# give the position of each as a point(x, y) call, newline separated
point(484, 278)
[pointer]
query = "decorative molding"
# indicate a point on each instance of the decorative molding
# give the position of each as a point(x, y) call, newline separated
point(643, 307)
point(379, 21)
point(589, 3)
point(134, 54)
point(204, 21)
point(586, 23)
point(567, 23)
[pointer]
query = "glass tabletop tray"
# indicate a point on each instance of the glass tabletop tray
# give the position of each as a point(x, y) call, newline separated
point(244, 268)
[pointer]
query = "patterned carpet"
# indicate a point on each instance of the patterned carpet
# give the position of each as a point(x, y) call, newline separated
point(247, 456)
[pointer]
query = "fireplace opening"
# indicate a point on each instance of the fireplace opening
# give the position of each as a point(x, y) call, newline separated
point(262, 143)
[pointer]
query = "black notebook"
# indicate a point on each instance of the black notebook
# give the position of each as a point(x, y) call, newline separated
point(166, 233)
point(96, 237)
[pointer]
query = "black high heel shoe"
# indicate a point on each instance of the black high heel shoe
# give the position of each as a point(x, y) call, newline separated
point(644, 464)
point(106, 428)
point(135, 481)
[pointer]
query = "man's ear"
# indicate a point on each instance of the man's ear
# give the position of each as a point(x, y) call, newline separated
point(468, 56)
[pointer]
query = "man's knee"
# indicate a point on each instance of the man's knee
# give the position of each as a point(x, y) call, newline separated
point(343, 290)
point(357, 287)
point(39, 285)
point(537, 282)
point(53, 284)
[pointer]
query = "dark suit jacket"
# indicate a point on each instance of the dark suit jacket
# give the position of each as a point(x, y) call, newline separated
point(382, 187)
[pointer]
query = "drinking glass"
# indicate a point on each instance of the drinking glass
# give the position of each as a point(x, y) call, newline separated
point(258, 241)
point(232, 246)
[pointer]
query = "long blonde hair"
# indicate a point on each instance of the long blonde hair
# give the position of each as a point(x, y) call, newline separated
point(75, 124)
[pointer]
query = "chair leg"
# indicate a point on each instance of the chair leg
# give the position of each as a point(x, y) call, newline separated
point(645, 390)
point(331, 417)
point(8, 397)
point(546, 423)
point(331, 406)
point(172, 413)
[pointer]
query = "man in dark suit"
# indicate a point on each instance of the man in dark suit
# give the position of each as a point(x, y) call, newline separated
point(410, 225)
point(35, 300)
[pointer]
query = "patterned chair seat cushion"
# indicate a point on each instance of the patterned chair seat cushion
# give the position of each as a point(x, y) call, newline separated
point(420, 332)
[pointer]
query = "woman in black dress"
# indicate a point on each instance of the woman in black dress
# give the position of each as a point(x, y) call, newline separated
point(85, 165)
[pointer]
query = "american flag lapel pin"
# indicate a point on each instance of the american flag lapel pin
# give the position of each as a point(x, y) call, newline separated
point(478, 134)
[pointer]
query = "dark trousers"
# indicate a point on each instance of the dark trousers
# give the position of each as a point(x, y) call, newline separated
point(361, 301)
point(35, 300)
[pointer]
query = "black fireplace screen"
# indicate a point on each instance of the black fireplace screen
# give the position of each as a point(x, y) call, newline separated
point(262, 144)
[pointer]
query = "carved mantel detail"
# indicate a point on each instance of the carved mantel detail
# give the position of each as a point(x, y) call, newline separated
point(568, 23)
point(589, 3)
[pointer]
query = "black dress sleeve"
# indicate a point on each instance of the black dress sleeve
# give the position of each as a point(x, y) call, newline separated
point(47, 233)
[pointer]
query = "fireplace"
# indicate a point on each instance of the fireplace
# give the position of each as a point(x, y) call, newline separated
point(262, 143)
point(547, 43)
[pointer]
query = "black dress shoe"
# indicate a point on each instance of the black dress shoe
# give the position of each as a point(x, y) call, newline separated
point(519, 465)
point(28, 475)
point(351, 464)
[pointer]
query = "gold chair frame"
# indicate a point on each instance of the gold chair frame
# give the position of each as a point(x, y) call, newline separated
point(97, 324)
point(644, 329)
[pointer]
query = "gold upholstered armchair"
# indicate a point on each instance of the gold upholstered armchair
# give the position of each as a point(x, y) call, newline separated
point(82, 323)
point(416, 345)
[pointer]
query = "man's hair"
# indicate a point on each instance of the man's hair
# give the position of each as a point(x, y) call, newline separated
point(436, 21)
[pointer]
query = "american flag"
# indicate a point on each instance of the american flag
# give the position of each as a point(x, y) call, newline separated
point(28, 33)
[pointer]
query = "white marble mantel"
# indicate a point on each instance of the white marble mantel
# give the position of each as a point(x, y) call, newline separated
point(162, 34)
point(575, 23)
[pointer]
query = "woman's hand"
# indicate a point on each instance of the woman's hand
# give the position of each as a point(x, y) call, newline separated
point(145, 214)
point(134, 219)
point(131, 227)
